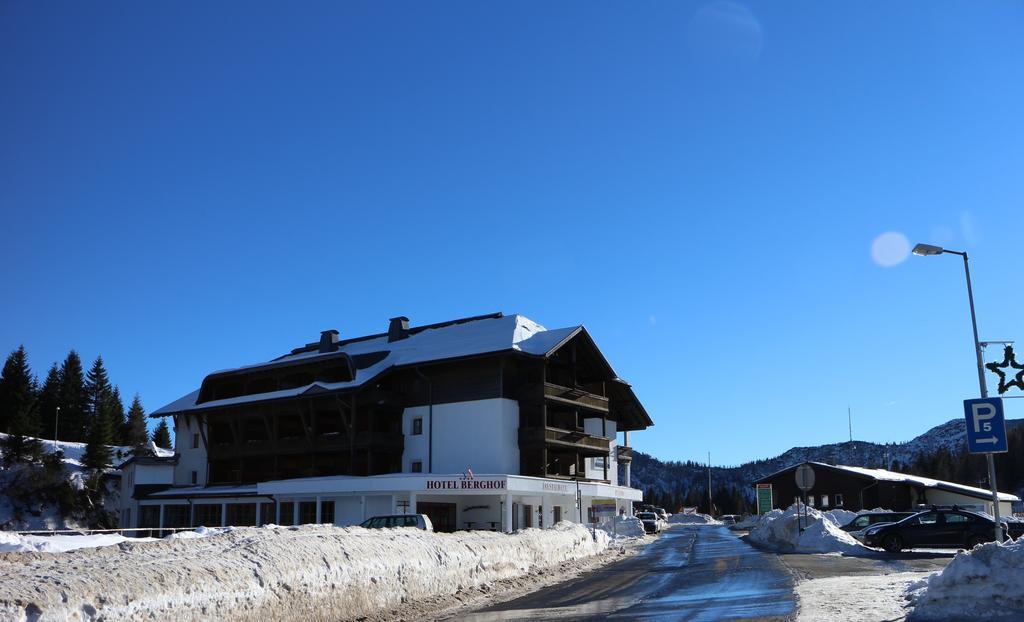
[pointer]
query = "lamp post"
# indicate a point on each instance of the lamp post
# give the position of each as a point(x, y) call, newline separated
point(927, 250)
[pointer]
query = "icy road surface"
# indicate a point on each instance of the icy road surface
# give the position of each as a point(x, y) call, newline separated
point(692, 572)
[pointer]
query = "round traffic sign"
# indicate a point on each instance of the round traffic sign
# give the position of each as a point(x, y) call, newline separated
point(804, 477)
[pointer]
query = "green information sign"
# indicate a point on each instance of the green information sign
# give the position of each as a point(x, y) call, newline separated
point(764, 498)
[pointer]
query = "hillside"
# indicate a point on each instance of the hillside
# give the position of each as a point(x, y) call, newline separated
point(53, 495)
point(686, 482)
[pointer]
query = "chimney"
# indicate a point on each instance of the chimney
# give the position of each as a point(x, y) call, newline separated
point(328, 341)
point(398, 328)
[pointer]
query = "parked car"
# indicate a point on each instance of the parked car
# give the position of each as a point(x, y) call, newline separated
point(662, 514)
point(419, 521)
point(652, 524)
point(862, 522)
point(946, 528)
point(729, 519)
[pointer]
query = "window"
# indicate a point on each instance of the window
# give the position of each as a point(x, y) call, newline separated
point(954, 518)
point(195, 477)
point(242, 514)
point(307, 512)
point(327, 512)
point(267, 513)
point(838, 500)
point(417, 426)
point(195, 441)
point(287, 510)
point(417, 466)
point(207, 515)
point(926, 519)
point(824, 501)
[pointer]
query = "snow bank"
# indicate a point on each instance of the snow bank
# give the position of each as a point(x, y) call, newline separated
point(840, 516)
point(702, 519)
point(14, 543)
point(781, 531)
point(626, 527)
point(313, 571)
point(200, 532)
point(985, 583)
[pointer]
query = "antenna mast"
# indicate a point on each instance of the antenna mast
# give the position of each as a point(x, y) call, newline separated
point(849, 420)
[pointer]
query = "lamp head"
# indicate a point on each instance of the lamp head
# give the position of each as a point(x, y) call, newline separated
point(925, 250)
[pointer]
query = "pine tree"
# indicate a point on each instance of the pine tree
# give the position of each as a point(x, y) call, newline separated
point(18, 400)
point(162, 435)
point(97, 449)
point(97, 390)
point(113, 409)
point(135, 435)
point(49, 400)
point(73, 400)
point(18, 390)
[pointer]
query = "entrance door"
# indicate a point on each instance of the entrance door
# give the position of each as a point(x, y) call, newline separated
point(442, 515)
point(558, 513)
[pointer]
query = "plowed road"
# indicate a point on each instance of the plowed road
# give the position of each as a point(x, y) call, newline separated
point(690, 573)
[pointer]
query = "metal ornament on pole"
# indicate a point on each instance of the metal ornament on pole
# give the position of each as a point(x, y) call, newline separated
point(925, 250)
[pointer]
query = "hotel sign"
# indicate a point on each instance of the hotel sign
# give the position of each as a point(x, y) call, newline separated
point(464, 484)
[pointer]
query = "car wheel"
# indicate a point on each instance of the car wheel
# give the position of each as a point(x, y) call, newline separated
point(893, 543)
point(974, 541)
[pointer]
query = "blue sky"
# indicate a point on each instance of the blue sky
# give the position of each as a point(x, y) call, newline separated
point(186, 188)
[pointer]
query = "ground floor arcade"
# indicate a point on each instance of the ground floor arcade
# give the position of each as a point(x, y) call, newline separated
point(453, 502)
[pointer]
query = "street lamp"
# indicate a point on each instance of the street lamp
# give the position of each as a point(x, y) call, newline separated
point(928, 250)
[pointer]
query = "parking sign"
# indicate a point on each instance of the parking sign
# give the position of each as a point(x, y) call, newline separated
point(986, 427)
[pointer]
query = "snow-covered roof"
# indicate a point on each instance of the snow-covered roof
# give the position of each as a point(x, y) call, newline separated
point(490, 334)
point(927, 482)
point(892, 476)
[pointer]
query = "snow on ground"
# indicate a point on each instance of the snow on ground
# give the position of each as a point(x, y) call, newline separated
point(984, 583)
point(857, 598)
point(13, 543)
point(204, 532)
point(702, 519)
point(780, 531)
point(316, 571)
point(626, 527)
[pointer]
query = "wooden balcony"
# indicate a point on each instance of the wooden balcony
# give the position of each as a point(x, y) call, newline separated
point(576, 398)
point(586, 444)
point(625, 454)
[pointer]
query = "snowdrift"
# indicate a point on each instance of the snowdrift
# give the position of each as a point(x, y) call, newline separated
point(780, 531)
point(308, 572)
point(983, 584)
point(625, 527)
point(701, 519)
point(13, 543)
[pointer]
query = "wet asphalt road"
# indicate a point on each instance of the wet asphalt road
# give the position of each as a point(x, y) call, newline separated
point(690, 573)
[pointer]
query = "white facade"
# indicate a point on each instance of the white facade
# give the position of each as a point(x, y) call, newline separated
point(934, 496)
point(482, 435)
point(595, 466)
point(190, 446)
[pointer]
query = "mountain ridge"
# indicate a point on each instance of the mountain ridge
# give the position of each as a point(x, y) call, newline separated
point(678, 480)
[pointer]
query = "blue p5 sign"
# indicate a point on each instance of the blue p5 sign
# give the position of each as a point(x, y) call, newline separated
point(986, 427)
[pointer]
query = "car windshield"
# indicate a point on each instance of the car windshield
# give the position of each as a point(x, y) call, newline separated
point(646, 516)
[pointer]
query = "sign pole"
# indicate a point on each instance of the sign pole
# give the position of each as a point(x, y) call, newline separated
point(984, 394)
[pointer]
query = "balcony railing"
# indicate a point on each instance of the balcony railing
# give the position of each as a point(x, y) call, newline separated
point(575, 397)
point(625, 454)
point(588, 444)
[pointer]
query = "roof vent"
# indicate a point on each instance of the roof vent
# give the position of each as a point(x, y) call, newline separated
point(398, 328)
point(328, 341)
